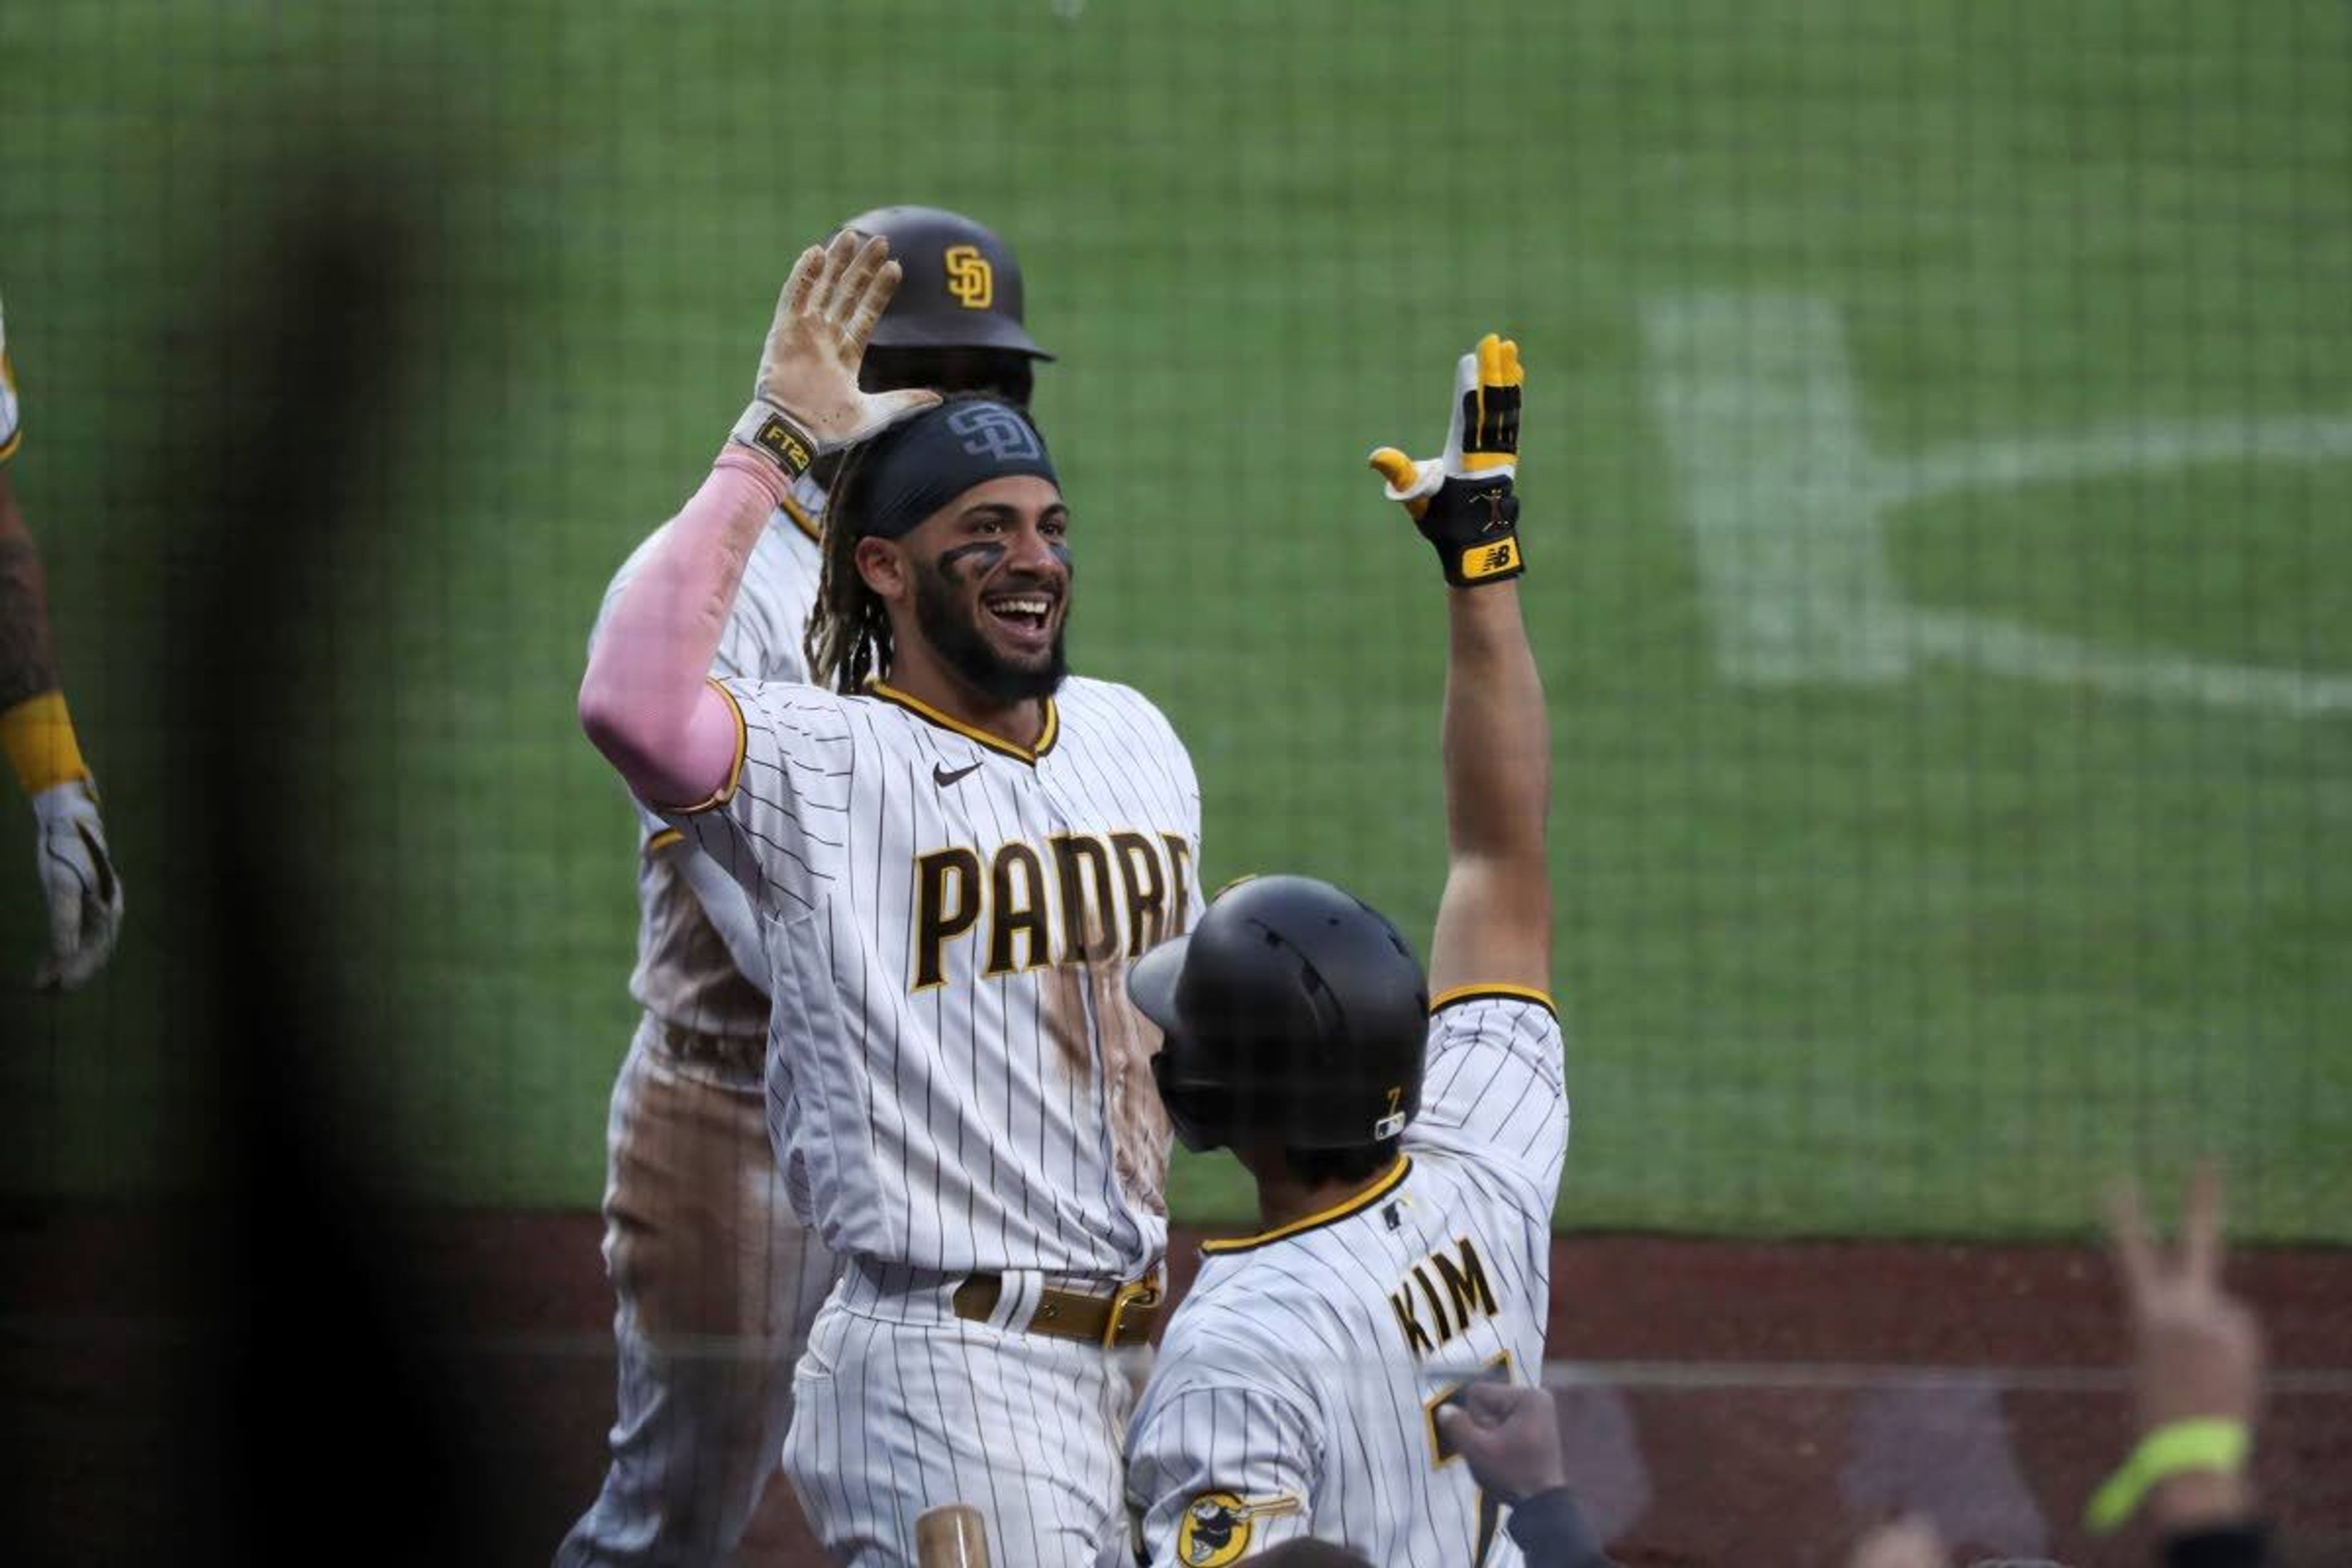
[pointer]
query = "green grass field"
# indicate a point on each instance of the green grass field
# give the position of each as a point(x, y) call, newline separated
point(1928, 847)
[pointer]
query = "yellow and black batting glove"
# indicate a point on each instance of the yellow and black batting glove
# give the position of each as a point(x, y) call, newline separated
point(1463, 502)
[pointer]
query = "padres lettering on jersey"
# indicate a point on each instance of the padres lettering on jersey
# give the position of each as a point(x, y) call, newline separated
point(1299, 1386)
point(949, 920)
point(1028, 916)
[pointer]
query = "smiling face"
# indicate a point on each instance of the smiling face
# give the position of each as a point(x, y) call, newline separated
point(987, 578)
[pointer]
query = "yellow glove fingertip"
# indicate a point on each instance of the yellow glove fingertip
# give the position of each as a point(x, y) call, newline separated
point(1393, 465)
point(1512, 374)
point(1490, 359)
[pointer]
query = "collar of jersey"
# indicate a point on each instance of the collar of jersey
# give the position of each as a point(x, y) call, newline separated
point(1332, 1215)
point(876, 687)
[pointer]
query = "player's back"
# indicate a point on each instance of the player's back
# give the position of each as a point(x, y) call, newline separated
point(1308, 1363)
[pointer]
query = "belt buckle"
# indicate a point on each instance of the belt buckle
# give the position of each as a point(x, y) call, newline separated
point(1134, 1293)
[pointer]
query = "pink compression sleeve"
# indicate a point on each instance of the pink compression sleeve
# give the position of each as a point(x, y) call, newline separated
point(645, 701)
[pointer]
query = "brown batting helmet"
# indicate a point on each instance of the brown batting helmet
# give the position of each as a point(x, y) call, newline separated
point(960, 288)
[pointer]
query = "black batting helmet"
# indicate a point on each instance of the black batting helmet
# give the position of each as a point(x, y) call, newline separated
point(959, 286)
point(1294, 1012)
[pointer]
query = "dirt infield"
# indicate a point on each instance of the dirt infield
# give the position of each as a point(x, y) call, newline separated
point(1724, 1403)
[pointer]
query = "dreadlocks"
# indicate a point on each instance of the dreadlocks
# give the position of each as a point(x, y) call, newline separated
point(848, 634)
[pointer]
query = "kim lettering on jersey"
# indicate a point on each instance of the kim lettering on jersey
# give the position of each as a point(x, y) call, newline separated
point(1079, 898)
point(1439, 1297)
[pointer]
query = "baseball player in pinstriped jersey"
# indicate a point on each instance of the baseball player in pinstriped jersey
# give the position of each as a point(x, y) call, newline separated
point(1406, 1155)
point(716, 1279)
point(79, 885)
point(955, 852)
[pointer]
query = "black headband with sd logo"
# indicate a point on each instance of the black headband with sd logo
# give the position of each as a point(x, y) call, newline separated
point(915, 468)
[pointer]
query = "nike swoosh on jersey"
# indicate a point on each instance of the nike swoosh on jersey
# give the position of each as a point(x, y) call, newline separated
point(942, 776)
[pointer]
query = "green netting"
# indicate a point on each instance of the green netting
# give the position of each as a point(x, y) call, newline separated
point(1940, 494)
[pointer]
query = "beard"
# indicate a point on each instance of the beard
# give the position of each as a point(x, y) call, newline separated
point(958, 641)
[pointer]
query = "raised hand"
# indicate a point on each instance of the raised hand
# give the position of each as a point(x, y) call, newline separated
point(1463, 502)
point(2199, 1349)
point(806, 401)
point(2197, 1355)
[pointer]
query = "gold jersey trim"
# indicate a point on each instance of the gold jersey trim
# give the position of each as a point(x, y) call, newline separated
point(802, 520)
point(1493, 993)
point(725, 791)
point(1332, 1215)
point(877, 686)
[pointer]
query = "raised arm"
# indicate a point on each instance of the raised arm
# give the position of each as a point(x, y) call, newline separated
point(28, 663)
point(645, 703)
point(1493, 923)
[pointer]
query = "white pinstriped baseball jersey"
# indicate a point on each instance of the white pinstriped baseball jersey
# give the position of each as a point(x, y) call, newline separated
point(9, 429)
point(949, 923)
point(1297, 1385)
point(685, 974)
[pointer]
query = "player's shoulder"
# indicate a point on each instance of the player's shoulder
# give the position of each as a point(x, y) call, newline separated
point(1239, 1329)
point(1494, 1095)
point(789, 544)
point(794, 703)
point(1303, 1272)
point(1090, 693)
point(1086, 699)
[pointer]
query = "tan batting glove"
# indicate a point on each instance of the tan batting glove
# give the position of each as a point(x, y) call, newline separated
point(806, 401)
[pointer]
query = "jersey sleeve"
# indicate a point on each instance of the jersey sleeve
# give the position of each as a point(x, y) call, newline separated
point(1219, 1464)
point(1496, 1089)
point(778, 825)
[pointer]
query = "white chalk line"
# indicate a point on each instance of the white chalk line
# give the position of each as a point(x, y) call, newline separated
point(2155, 448)
point(2005, 648)
point(1790, 508)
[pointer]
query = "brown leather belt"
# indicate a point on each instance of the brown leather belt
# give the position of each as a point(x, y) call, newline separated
point(1122, 1318)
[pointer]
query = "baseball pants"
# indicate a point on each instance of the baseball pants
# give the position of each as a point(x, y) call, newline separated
point(900, 1405)
point(718, 1285)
